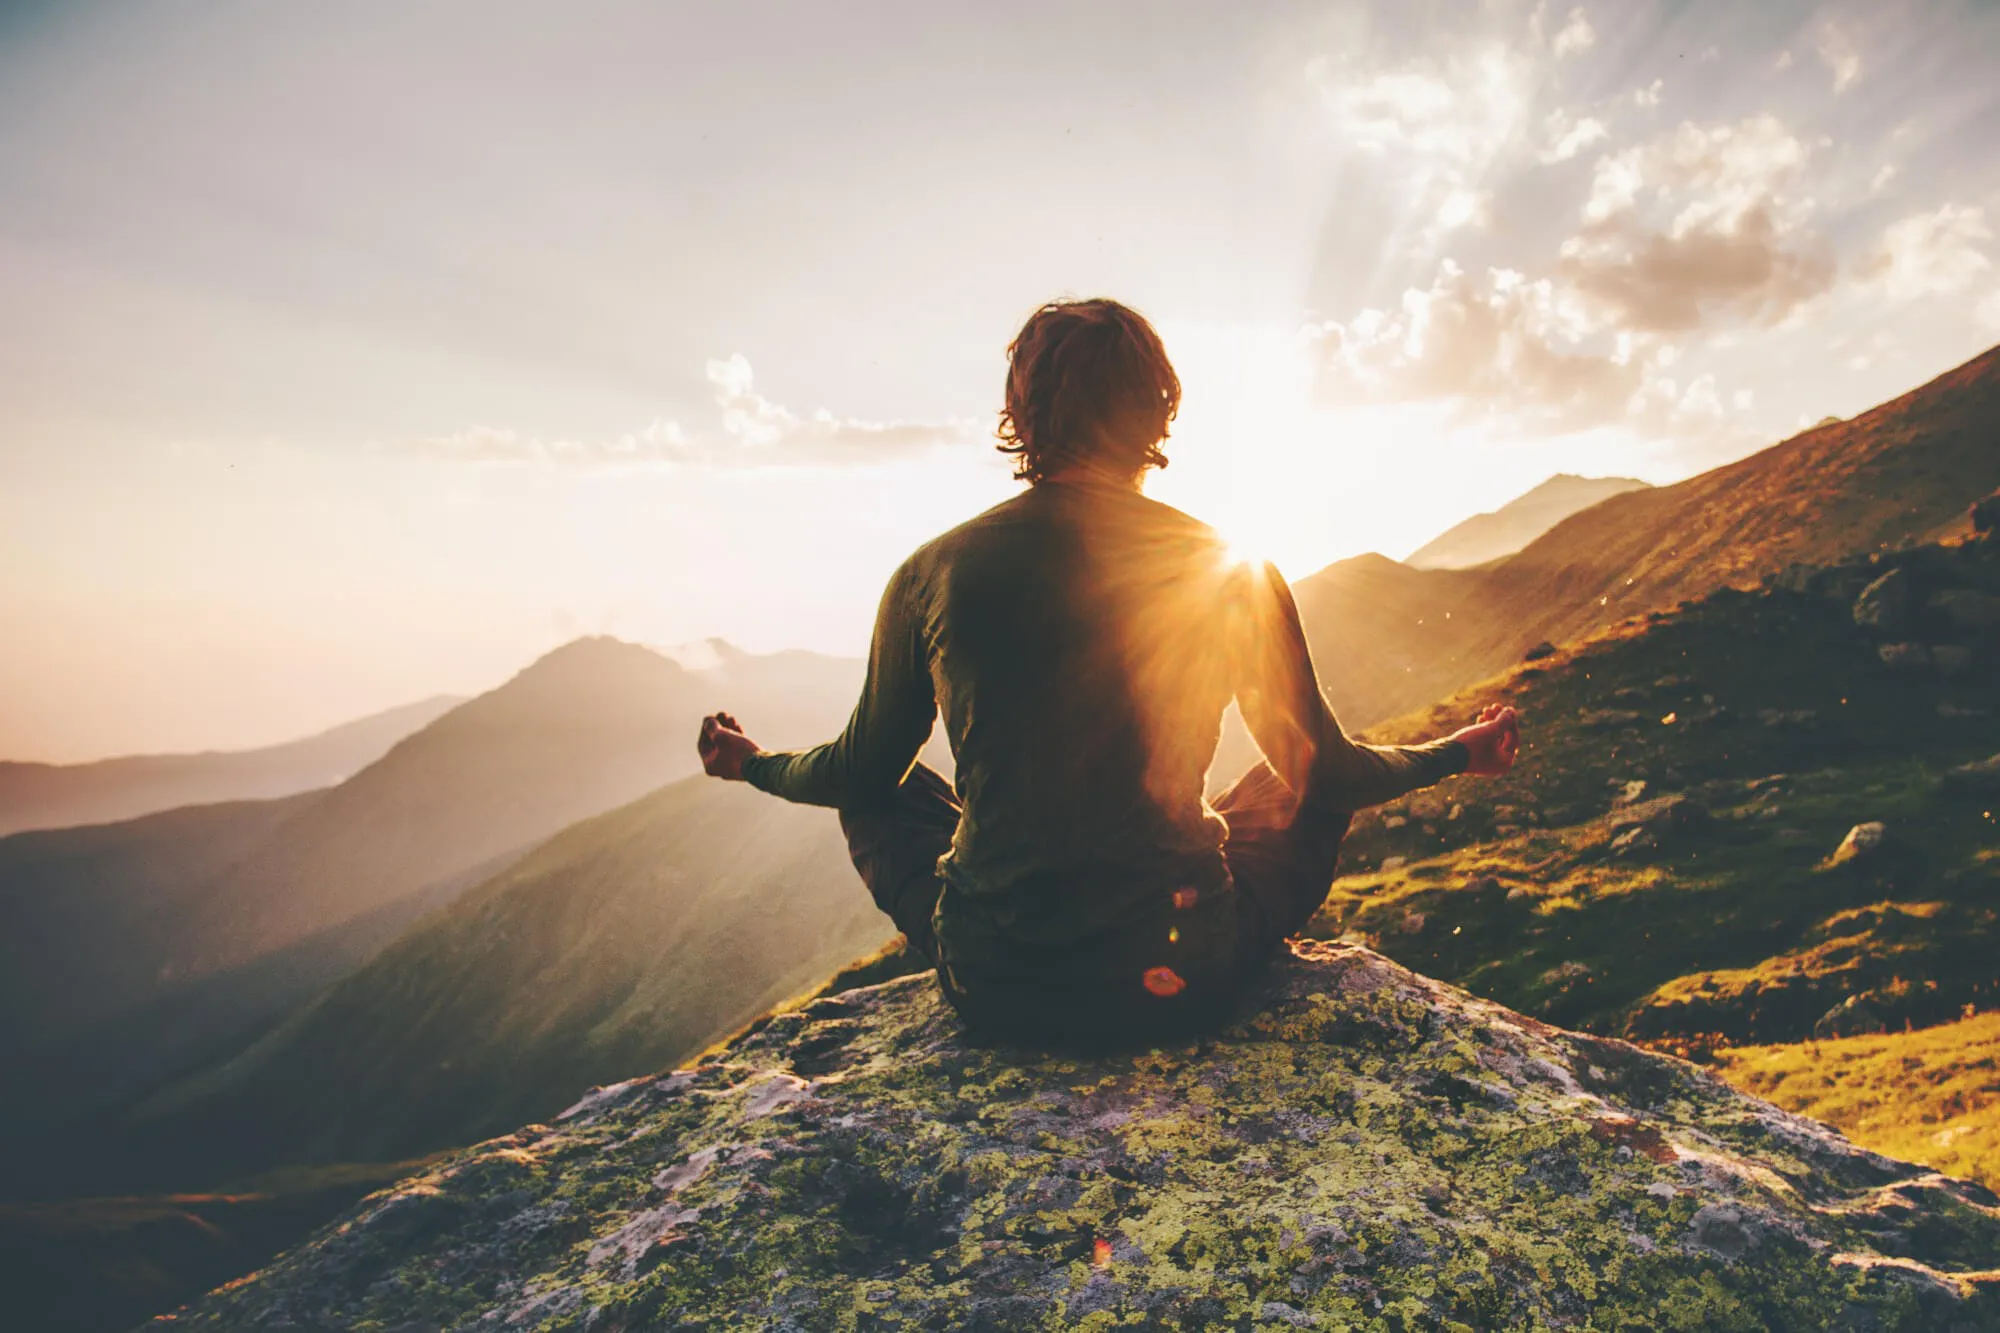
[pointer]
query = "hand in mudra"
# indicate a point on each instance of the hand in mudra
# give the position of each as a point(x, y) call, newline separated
point(1492, 742)
point(723, 747)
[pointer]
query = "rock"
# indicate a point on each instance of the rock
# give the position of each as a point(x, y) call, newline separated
point(1394, 821)
point(1631, 791)
point(1968, 609)
point(1394, 862)
point(1981, 777)
point(1861, 841)
point(1951, 659)
point(1670, 815)
point(1852, 1017)
point(1539, 651)
point(1884, 606)
point(1606, 719)
point(1359, 1139)
point(1904, 655)
point(1986, 514)
point(1959, 710)
point(1792, 719)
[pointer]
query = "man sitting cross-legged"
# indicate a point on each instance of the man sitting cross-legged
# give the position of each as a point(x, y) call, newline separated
point(1082, 643)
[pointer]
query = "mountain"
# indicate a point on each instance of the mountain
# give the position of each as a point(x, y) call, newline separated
point(1390, 638)
point(1362, 1147)
point(134, 949)
point(625, 943)
point(1658, 864)
point(47, 796)
point(1487, 537)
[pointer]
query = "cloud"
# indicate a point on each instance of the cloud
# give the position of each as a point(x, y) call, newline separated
point(1931, 253)
point(1437, 127)
point(1696, 225)
point(1837, 48)
point(760, 430)
point(1567, 138)
point(753, 432)
point(1576, 37)
point(1505, 349)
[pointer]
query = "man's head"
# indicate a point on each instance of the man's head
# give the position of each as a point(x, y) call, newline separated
point(1088, 383)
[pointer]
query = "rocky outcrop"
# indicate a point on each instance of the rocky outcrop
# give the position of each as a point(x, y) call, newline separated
point(1366, 1149)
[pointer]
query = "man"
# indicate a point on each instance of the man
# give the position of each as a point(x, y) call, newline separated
point(1082, 643)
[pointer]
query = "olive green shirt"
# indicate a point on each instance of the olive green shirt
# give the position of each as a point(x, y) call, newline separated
point(1082, 643)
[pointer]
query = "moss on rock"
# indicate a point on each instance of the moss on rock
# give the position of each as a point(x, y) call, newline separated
point(1363, 1149)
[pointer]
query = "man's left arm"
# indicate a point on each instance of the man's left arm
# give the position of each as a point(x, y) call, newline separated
point(869, 759)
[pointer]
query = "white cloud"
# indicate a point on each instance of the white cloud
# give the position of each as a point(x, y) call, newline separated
point(1576, 37)
point(1650, 94)
point(1504, 348)
point(1784, 60)
point(1567, 138)
point(1695, 224)
point(1931, 253)
point(1837, 48)
point(764, 431)
point(754, 432)
point(1434, 129)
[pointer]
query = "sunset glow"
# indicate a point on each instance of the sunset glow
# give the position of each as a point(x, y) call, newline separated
point(344, 370)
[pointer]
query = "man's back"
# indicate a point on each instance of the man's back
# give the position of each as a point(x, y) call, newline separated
point(1079, 641)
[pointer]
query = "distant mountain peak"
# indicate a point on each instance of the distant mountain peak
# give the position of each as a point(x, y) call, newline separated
point(1501, 532)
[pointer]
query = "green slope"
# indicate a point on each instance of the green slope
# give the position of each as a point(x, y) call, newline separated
point(1760, 728)
point(619, 946)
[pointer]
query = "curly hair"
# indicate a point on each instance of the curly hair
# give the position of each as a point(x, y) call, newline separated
point(1087, 382)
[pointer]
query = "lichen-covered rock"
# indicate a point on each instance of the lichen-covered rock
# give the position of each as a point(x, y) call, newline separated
point(1365, 1149)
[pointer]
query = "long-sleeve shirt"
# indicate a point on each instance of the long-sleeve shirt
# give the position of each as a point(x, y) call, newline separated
point(1082, 643)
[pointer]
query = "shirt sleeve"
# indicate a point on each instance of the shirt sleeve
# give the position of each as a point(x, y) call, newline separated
point(1288, 716)
point(867, 761)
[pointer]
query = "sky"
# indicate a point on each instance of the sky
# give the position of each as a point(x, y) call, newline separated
point(355, 353)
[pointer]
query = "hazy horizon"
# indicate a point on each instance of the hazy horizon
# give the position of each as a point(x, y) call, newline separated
point(359, 356)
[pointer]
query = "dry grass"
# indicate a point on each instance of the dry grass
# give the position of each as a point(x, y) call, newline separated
point(1929, 1096)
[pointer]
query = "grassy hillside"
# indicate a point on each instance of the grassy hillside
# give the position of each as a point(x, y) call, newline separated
point(1484, 538)
point(194, 927)
point(1930, 1096)
point(48, 796)
point(1656, 866)
point(618, 947)
point(1392, 638)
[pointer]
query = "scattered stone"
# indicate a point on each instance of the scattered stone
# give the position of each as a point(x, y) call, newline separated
point(1862, 840)
point(1394, 863)
point(1519, 894)
point(1986, 514)
point(1606, 719)
point(1629, 694)
point(1884, 605)
point(1904, 655)
point(1779, 719)
point(1959, 710)
point(1631, 791)
point(1412, 923)
point(1456, 811)
point(1852, 1017)
point(1981, 777)
point(1968, 609)
point(1672, 683)
point(1540, 651)
point(1394, 821)
point(1951, 659)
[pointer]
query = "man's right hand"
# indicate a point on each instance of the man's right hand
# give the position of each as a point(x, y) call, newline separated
point(723, 747)
point(1492, 742)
